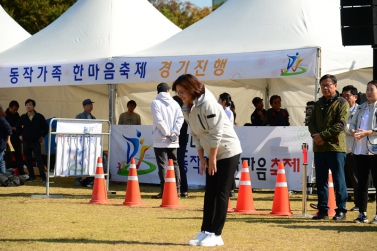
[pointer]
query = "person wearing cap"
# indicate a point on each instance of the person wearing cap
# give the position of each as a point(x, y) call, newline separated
point(130, 117)
point(257, 116)
point(86, 114)
point(88, 108)
point(167, 123)
point(31, 129)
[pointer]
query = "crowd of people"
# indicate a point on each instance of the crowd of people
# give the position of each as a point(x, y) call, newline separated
point(344, 135)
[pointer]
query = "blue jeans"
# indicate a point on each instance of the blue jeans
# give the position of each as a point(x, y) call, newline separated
point(334, 161)
point(2, 166)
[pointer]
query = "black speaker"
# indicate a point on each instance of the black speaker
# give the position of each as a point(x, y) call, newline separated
point(358, 19)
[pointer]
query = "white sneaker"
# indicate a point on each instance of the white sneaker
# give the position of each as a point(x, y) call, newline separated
point(212, 240)
point(374, 221)
point(199, 237)
point(24, 176)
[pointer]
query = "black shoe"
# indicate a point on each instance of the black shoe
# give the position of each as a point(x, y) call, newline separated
point(158, 196)
point(355, 209)
point(320, 216)
point(183, 195)
point(30, 179)
point(314, 206)
point(339, 216)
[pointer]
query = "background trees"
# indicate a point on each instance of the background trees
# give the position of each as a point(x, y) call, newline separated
point(34, 15)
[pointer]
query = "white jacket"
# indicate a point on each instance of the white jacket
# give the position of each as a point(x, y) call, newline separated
point(167, 120)
point(350, 140)
point(372, 121)
point(210, 127)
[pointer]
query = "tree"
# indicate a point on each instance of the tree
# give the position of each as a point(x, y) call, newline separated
point(181, 14)
point(34, 15)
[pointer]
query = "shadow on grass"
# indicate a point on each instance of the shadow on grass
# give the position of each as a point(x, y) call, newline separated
point(86, 241)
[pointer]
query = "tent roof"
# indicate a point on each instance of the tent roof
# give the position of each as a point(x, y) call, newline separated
point(11, 32)
point(240, 26)
point(93, 29)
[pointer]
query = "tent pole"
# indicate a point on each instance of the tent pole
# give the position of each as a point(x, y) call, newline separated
point(112, 96)
point(318, 73)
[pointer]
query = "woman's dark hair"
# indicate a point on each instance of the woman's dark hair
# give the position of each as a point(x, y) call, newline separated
point(373, 82)
point(229, 103)
point(191, 84)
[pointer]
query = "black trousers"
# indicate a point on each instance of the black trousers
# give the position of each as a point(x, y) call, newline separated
point(351, 173)
point(170, 153)
point(34, 147)
point(216, 195)
point(364, 163)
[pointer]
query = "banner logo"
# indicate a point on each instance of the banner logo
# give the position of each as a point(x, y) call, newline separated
point(133, 146)
point(293, 66)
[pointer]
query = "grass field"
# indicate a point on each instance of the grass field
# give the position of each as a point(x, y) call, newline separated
point(69, 223)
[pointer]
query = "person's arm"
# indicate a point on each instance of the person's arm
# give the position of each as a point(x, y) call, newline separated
point(159, 119)
point(19, 127)
point(44, 128)
point(120, 120)
point(138, 120)
point(288, 124)
point(340, 125)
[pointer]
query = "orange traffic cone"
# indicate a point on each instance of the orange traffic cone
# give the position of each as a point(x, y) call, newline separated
point(99, 194)
point(230, 208)
point(331, 203)
point(281, 206)
point(132, 197)
point(170, 194)
point(245, 202)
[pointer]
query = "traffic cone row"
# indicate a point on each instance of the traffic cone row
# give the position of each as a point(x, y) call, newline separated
point(245, 202)
point(281, 206)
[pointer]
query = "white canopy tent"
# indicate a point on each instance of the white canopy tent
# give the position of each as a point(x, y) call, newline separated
point(266, 28)
point(90, 31)
point(11, 32)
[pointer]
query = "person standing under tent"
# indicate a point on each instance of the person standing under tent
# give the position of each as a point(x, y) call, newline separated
point(349, 93)
point(5, 134)
point(181, 152)
point(327, 125)
point(213, 134)
point(167, 123)
point(31, 129)
point(363, 127)
point(130, 117)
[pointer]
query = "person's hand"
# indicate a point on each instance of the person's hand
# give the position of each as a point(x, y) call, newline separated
point(203, 165)
point(20, 138)
point(359, 134)
point(260, 113)
point(317, 139)
point(212, 169)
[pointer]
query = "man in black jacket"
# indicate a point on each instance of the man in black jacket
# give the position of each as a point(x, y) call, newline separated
point(12, 117)
point(5, 132)
point(31, 129)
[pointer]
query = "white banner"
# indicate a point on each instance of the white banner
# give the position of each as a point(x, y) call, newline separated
point(272, 64)
point(263, 148)
point(76, 155)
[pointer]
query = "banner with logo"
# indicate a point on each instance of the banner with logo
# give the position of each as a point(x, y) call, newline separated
point(263, 149)
point(248, 65)
point(76, 153)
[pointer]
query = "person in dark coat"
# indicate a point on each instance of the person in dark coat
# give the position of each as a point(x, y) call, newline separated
point(12, 118)
point(31, 129)
point(5, 132)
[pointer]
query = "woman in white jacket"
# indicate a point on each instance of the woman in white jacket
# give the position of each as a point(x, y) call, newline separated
point(363, 127)
point(213, 134)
